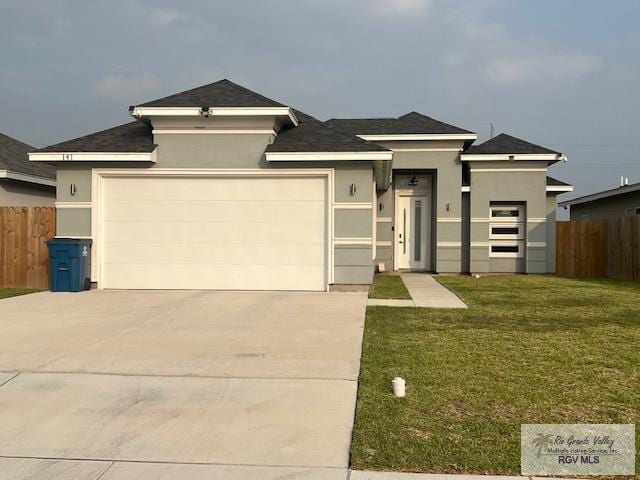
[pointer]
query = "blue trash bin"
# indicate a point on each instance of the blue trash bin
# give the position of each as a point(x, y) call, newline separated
point(69, 259)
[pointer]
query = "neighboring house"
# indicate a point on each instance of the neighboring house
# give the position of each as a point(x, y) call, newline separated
point(22, 183)
point(617, 202)
point(222, 188)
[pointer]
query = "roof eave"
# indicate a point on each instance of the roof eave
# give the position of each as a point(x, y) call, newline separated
point(547, 157)
point(559, 188)
point(600, 195)
point(204, 111)
point(417, 137)
point(72, 156)
point(327, 156)
point(25, 177)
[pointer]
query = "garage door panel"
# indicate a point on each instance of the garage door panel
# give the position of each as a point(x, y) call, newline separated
point(214, 233)
point(200, 189)
point(227, 277)
point(221, 254)
point(213, 211)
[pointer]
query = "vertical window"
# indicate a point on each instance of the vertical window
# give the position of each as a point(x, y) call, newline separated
point(418, 230)
point(506, 231)
point(404, 230)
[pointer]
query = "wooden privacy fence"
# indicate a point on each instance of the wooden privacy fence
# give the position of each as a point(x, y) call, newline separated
point(599, 248)
point(24, 259)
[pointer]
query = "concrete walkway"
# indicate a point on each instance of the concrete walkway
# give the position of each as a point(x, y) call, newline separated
point(425, 292)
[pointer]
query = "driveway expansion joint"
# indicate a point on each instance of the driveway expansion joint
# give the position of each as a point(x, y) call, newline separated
point(160, 375)
point(9, 379)
point(167, 462)
point(102, 474)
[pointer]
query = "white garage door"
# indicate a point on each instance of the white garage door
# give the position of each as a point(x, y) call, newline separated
point(240, 233)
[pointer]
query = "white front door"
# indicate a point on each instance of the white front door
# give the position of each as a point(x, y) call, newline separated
point(411, 228)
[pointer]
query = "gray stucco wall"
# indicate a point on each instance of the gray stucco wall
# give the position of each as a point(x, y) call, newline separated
point(445, 169)
point(527, 187)
point(211, 151)
point(21, 194)
point(611, 207)
point(352, 263)
point(384, 228)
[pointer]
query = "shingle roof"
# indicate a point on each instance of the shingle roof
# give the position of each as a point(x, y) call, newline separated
point(506, 144)
point(223, 93)
point(13, 157)
point(131, 137)
point(311, 135)
point(557, 183)
point(410, 123)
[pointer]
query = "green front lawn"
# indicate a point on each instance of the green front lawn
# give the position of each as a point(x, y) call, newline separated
point(530, 349)
point(14, 292)
point(389, 286)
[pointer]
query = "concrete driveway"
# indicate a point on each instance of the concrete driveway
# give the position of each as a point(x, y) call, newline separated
point(180, 384)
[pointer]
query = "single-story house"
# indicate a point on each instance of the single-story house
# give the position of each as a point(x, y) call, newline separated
point(617, 202)
point(23, 183)
point(219, 187)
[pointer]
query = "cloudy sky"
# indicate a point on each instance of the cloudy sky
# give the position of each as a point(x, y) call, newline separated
point(556, 72)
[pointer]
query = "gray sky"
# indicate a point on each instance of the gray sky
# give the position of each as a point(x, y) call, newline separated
point(560, 73)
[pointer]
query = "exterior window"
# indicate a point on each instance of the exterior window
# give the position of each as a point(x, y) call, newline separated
point(508, 213)
point(501, 232)
point(506, 231)
point(633, 211)
point(505, 248)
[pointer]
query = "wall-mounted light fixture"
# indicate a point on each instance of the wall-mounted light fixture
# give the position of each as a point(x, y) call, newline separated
point(413, 180)
point(204, 111)
point(380, 207)
point(512, 157)
point(353, 189)
point(73, 189)
point(448, 207)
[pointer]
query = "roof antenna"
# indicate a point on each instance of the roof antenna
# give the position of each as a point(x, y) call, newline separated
point(493, 130)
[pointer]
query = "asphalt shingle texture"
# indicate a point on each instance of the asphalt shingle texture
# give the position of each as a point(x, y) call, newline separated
point(506, 144)
point(131, 137)
point(311, 135)
point(223, 93)
point(411, 123)
point(13, 157)
point(555, 182)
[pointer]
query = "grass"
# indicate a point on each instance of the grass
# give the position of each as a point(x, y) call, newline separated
point(14, 292)
point(389, 286)
point(530, 349)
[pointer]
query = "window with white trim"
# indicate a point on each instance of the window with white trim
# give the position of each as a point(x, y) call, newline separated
point(506, 231)
point(507, 213)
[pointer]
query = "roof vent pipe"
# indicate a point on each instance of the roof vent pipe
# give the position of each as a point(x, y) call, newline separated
point(621, 181)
